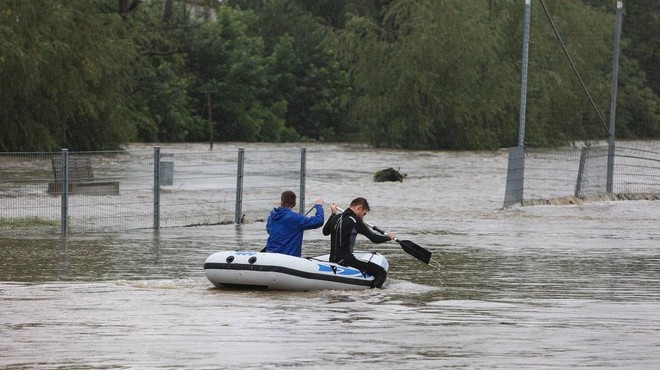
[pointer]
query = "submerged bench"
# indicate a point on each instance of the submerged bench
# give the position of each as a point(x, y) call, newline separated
point(80, 178)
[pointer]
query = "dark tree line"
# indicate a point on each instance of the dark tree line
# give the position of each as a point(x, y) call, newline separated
point(437, 74)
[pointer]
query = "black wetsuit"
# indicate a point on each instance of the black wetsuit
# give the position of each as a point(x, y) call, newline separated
point(343, 229)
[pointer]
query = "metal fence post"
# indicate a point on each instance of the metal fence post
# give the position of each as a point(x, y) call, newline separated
point(303, 178)
point(609, 186)
point(156, 187)
point(580, 175)
point(525, 65)
point(239, 185)
point(515, 177)
point(65, 192)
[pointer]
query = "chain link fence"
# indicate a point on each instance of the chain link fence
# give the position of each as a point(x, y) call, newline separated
point(569, 79)
point(65, 191)
point(572, 175)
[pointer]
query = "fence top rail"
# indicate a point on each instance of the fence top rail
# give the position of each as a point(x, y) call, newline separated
point(162, 149)
point(639, 150)
point(58, 154)
point(254, 150)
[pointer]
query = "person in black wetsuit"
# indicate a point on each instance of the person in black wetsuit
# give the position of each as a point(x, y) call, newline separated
point(343, 229)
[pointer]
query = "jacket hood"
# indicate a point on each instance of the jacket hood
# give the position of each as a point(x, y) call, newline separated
point(279, 212)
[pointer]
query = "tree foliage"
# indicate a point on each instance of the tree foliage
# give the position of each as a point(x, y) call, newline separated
point(65, 75)
point(305, 72)
point(230, 65)
point(559, 110)
point(90, 75)
point(163, 84)
point(431, 74)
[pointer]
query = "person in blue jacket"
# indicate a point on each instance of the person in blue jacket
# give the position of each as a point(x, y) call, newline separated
point(285, 226)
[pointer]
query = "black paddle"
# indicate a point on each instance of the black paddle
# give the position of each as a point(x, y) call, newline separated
point(409, 247)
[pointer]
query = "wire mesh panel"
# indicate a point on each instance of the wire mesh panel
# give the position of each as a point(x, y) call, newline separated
point(515, 176)
point(120, 190)
point(202, 188)
point(24, 199)
point(637, 168)
point(559, 176)
point(267, 174)
point(130, 207)
point(550, 173)
point(113, 193)
point(592, 174)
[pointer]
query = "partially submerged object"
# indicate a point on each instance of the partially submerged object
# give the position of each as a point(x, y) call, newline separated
point(389, 174)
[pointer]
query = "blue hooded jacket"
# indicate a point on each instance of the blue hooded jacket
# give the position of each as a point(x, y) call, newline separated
point(285, 229)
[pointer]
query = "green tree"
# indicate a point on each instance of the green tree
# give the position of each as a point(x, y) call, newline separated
point(231, 65)
point(558, 109)
point(163, 86)
point(90, 75)
point(639, 86)
point(65, 74)
point(304, 69)
point(431, 74)
point(638, 107)
point(641, 25)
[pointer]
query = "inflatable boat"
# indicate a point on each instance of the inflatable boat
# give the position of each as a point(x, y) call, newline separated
point(257, 270)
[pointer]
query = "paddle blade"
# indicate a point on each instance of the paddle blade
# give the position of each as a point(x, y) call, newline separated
point(409, 247)
point(415, 251)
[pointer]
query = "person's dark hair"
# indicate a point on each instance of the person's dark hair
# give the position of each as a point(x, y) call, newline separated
point(359, 201)
point(288, 199)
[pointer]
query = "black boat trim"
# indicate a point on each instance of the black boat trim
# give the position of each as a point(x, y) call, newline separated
point(285, 270)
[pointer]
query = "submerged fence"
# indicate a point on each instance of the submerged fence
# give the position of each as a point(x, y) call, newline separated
point(570, 175)
point(151, 188)
point(559, 48)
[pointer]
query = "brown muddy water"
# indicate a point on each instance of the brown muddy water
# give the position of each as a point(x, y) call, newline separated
point(527, 287)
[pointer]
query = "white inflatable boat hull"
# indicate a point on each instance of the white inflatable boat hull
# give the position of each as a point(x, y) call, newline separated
point(256, 270)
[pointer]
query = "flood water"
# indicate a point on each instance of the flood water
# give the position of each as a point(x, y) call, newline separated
point(527, 287)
